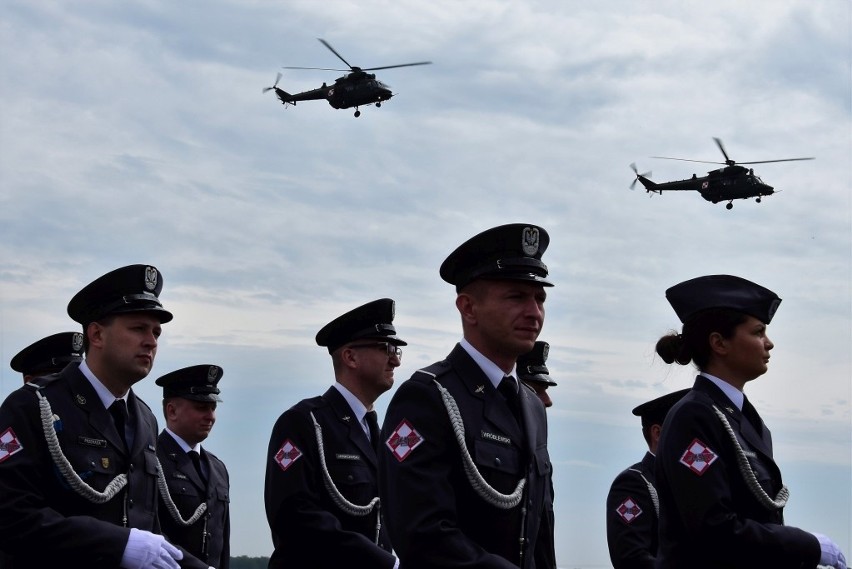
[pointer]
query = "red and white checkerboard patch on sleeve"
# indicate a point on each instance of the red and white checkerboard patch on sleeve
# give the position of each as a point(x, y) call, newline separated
point(403, 440)
point(698, 457)
point(9, 444)
point(629, 510)
point(287, 455)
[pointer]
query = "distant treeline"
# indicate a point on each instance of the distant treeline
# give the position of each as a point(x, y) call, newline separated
point(244, 562)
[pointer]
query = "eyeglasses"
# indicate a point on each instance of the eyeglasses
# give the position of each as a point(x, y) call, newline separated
point(389, 348)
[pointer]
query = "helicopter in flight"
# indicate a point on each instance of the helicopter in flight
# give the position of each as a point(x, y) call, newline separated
point(733, 182)
point(355, 89)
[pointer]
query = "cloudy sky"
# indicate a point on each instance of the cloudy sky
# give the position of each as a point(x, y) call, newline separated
point(137, 132)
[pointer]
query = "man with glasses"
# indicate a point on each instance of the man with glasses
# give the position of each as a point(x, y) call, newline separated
point(321, 470)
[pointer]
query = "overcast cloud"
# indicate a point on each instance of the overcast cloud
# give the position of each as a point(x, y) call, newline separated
point(137, 132)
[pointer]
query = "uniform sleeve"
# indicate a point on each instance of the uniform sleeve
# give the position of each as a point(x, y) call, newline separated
point(297, 517)
point(630, 529)
point(28, 487)
point(701, 483)
point(416, 484)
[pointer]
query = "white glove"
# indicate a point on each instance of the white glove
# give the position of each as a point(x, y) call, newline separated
point(830, 554)
point(145, 550)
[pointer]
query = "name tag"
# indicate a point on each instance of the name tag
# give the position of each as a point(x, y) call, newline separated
point(340, 456)
point(496, 438)
point(90, 442)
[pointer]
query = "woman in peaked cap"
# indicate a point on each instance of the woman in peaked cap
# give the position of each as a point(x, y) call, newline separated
point(720, 491)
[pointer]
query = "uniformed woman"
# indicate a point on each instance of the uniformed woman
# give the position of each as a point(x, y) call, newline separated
point(720, 491)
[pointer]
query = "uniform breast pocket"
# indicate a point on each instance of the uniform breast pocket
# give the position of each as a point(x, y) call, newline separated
point(94, 461)
point(354, 480)
point(497, 458)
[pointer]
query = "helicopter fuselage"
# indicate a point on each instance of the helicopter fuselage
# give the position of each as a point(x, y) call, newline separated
point(357, 89)
point(725, 184)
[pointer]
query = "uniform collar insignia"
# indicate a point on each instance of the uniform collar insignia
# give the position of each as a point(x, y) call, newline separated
point(80, 399)
point(479, 389)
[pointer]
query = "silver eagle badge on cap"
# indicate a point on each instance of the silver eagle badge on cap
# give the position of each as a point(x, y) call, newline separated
point(77, 342)
point(529, 240)
point(150, 278)
point(212, 374)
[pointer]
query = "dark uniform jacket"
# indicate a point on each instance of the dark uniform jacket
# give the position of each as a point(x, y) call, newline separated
point(434, 516)
point(310, 530)
point(209, 537)
point(709, 518)
point(631, 519)
point(43, 521)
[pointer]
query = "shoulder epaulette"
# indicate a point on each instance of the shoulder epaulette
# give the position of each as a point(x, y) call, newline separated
point(433, 371)
point(43, 380)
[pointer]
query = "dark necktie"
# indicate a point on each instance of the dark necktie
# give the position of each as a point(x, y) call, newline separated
point(118, 410)
point(196, 462)
point(509, 389)
point(373, 423)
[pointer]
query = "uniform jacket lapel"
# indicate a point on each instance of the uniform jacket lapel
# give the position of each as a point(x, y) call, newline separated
point(87, 399)
point(356, 432)
point(735, 417)
point(143, 423)
point(495, 408)
point(182, 462)
point(528, 400)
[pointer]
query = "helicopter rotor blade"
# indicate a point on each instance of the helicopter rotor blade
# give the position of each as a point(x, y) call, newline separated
point(399, 65)
point(340, 57)
point(318, 69)
point(687, 160)
point(781, 160)
point(274, 85)
point(728, 160)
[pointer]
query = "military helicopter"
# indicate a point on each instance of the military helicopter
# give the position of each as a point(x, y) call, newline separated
point(733, 182)
point(356, 89)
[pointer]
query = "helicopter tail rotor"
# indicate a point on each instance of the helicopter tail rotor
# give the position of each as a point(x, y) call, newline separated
point(274, 85)
point(638, 175)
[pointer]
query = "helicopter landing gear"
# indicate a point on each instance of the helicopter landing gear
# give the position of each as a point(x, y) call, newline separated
point(357, 113)
point(757, 200)
point(730, 205)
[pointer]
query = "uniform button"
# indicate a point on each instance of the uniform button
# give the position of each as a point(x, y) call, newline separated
point(350, 478)
point(497, 461)
point(130, 502)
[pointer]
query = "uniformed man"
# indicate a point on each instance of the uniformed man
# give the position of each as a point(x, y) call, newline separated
point(78, 462)
point(465, 469)
point(195, 511)
point(48, 355)
point(632, 505)
point(532, 370)
point(321, 474)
